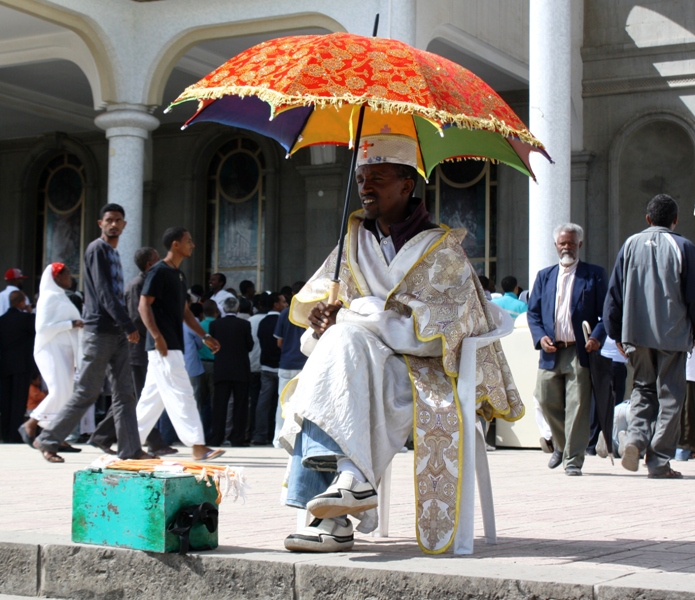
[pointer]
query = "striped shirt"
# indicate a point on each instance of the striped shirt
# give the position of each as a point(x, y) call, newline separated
point(564, 332)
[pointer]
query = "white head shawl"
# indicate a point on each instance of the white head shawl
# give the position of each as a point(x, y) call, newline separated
point(53, 310)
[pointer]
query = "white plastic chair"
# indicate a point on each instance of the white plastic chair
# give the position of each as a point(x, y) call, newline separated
point(475, 462)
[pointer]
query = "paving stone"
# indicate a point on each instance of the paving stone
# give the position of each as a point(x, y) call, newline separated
point(557, 537)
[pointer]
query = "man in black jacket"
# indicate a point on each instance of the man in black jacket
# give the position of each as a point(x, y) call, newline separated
point(17, 332)
point(232, 370)
point(107, 331)
point(270, 363)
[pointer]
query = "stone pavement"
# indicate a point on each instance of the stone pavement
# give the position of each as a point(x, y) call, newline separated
point(608, 534)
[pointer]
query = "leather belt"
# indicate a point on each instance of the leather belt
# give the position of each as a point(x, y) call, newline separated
point(561, 345)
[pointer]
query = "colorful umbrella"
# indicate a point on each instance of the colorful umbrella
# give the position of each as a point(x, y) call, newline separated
point(307, 90)
point(335, 88)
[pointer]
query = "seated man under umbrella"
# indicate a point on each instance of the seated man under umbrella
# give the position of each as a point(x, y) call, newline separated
point(408, 298)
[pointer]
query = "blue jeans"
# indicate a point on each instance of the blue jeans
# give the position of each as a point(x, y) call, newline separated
point(314, 462)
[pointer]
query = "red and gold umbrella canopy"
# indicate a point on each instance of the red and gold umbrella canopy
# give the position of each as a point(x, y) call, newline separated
point(307, 90)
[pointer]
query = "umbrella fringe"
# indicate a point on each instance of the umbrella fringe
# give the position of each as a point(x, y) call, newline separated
point(278, 99)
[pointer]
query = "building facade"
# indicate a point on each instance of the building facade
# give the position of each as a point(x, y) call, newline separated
point(83, 86)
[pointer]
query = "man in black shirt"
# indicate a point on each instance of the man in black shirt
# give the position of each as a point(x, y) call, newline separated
point(163, 309)
point(232, 370)
point(107, 331)
point(145, 258)
point(270, 363)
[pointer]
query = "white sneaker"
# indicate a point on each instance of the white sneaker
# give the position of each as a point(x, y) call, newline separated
point(601, 449)
point(345, 496)
point(322, 535)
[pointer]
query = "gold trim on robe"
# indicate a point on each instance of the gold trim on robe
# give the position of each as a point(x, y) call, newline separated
point(446, 302)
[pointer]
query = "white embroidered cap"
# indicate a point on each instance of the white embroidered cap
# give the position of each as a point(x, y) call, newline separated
point(387, 148)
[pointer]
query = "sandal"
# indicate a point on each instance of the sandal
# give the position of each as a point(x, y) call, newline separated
point(670, 474)
point(52, 457)
point(103, 448)
point(210, 454)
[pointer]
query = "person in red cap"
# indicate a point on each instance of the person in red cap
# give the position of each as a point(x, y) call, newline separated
point(15, 281)
point(56, 348)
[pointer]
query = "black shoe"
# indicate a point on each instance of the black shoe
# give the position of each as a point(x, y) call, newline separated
point(65, 447)
point(555, 459)
point(573, 471)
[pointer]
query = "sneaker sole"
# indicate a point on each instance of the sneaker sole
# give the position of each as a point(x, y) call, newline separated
point(326, 543)
point(630, 460)
point(327, 509)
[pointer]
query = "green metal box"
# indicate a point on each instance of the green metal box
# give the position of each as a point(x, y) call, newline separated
point(128, 509)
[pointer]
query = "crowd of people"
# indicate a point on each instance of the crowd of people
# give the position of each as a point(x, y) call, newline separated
point(169, 365)
point(233, 368)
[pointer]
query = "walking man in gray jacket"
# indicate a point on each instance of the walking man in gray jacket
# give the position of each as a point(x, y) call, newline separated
point(650, 312)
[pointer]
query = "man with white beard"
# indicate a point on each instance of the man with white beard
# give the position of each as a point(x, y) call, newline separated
point(564, 296)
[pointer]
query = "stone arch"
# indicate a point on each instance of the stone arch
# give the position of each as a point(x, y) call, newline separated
point(168, 57)
point(47, 148)
point(198, 162)
point(653, 153)
point(98, 67)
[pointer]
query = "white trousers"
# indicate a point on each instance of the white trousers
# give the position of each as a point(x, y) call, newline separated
point(543, 426)
point(284, 377)
point(167, 386)
point(56, 362)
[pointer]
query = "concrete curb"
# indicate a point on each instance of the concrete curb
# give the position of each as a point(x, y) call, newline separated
point(19, 568)
point(79, 572)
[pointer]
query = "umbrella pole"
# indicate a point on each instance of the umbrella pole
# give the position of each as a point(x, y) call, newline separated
point(335, 282)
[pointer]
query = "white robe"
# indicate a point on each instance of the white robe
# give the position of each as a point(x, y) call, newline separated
point(398, 341)
point(56, 347)
point(362, 397)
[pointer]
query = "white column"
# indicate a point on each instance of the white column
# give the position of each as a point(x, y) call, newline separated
point(399, 23)
point(127, 128)
point(550, 121)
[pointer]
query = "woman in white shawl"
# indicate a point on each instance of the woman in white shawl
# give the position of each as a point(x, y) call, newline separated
point(56, 348)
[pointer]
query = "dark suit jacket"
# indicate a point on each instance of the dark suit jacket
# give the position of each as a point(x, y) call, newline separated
point(588, 295)
point(17, 332)
point(232, 361)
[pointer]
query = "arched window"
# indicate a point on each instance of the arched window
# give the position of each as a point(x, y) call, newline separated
point(464, 194)
point(235, 223)
point(60, 212)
